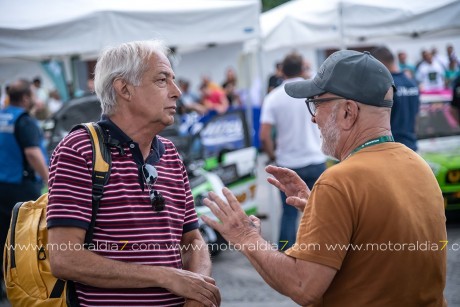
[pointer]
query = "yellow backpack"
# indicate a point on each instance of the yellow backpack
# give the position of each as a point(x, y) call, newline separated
point(27, 270)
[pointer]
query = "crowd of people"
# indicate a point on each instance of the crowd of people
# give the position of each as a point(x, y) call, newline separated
point(46, 102)
point(213, 97)
point(434, 71)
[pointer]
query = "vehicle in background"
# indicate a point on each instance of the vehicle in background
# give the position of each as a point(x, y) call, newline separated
point(438, 137)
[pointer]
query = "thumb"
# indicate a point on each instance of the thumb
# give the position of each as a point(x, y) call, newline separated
point(256, 221)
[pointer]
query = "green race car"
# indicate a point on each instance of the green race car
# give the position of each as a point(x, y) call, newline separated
point(439, 145)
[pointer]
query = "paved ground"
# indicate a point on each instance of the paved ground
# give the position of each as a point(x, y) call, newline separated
point(452, 290)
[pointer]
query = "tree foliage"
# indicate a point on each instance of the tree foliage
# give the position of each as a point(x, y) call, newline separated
point(269, 4)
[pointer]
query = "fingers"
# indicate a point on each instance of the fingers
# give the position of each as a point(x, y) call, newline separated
point(213, 295)
point(278, 171)
point(211, 223)
point(209, 279)
point(232, 201)
point(271, 169)
point(276, 183)
point(297, 202)
point(229, 209)
point(255, 220)
point(209, 292)
point(225, 208)
point(215, 206)
point(197, 287)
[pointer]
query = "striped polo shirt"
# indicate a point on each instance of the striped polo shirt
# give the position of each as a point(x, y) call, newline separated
point(127, 229)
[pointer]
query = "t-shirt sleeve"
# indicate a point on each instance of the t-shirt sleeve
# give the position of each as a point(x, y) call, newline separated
point(27, 132)
point(267, 115)
point(190, 217)
point(70, 187)
point(325, 229)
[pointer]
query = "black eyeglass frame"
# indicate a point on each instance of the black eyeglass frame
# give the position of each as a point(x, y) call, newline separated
point(311, 103)
point(157, 200)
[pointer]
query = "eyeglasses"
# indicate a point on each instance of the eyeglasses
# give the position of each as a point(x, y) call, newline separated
point(312, 104)
point(157, 200)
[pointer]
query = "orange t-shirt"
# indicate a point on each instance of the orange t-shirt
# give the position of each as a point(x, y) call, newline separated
point(378, 218)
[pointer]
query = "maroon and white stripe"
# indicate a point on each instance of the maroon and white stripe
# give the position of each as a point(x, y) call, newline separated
point(125, 214)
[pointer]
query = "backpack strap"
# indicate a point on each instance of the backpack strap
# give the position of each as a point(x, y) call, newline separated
point(102, 162)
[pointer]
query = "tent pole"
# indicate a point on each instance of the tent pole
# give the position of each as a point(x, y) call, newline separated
point(341, 27)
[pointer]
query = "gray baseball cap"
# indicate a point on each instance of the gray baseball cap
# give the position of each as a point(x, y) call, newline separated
point(350, 74)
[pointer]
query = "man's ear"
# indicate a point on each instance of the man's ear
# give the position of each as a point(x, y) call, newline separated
point(122, 88)
point(350, 113)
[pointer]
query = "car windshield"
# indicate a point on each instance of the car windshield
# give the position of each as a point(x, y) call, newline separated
point(435, 118)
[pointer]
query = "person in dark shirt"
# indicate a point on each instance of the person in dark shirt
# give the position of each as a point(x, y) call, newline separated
point(455, 103)
point(406, 101)
point(23, 161)
point(276, 79)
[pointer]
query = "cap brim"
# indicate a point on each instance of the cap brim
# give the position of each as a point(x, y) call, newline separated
point(303, 89)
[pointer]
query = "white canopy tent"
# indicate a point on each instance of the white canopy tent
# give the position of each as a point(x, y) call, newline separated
point(338, 23)
point(311, 26)
point(54, 27)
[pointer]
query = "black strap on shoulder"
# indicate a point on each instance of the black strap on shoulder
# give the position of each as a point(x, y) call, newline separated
point(101, 171)
point(102, 162)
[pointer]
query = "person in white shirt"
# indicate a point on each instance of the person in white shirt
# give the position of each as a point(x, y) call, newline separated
point(430, 75)
point(298, 143)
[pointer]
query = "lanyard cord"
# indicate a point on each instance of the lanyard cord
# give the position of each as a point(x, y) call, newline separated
point(382, 139)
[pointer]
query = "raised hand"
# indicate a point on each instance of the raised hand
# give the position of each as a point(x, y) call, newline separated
point(235, 226)
point(291, 184)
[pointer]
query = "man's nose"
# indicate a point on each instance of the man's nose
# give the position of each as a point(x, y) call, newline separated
point(176, 92)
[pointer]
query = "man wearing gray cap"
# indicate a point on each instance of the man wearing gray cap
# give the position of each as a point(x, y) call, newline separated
point(373, 227)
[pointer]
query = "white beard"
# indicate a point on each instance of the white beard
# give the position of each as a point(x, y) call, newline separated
point(330, 135)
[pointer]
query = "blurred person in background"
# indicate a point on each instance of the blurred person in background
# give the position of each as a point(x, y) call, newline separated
point(90, 86)
point(452, 72)
point(213, 97)
point(4, 98)
point(231, 93)
point(363, 221)
point(406, 101)
point(230, 88)
point(40, 93)
point(23, 161)
point(54, 102)
point(436, 57)
point(40, 109)
point(277, 78)
point(455, 103)
point(297, 143)
point(430, 74)
point(404, 66)
point(451, 55)
point(308, 72)
point(189, 101)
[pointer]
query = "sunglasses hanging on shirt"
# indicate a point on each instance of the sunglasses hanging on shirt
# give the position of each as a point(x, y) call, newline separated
point(157, 200)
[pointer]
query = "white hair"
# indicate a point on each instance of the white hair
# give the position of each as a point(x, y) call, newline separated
point(126, 61)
